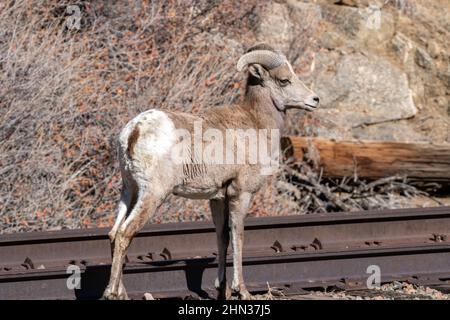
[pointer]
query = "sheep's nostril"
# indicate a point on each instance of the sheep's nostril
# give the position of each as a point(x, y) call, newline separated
point(316, 99)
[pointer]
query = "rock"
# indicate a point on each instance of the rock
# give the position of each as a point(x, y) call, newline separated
point(377, 27)
point(423, 59)
point(441, 101)
point(434, 49)
point(276, 27)
point(366, 25)
point(364, 90)
point(305, 15)
point(306, 19)
point(331, 40)
point(390, 131)
point(445, 77)
point(402, 46)
point(346, 20)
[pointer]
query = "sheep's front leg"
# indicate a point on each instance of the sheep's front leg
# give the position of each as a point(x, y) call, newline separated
point(220, 212)
point(238, 210)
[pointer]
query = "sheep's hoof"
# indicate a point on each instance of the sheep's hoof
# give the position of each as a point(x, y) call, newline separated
point(223, 290)
point(242, 293)
point(245, 295)
point(110, 295)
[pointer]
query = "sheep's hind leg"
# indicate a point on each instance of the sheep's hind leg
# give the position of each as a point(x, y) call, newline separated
point(144, 208)
point(219, 211)
point(123, 209)
point(126, 203)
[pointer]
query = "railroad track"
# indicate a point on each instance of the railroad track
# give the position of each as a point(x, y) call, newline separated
point(289, 253)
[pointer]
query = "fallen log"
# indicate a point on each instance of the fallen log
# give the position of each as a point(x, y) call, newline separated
point(374, 159)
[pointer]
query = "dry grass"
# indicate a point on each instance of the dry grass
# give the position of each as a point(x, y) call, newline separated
point(65, 94)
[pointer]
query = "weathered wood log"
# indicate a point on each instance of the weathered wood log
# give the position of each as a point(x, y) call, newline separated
point(375, 159)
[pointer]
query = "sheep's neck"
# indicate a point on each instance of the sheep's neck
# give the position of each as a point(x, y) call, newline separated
point(258, 103)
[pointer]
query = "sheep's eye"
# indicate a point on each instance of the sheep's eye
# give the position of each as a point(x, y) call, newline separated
point(285, 82)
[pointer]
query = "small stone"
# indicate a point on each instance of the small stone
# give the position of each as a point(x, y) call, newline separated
point(148, 296)
point(433, 49)
point(428, 290)
point(409, 289)
point(423, 59)
point(402, 45)
point(445, 77)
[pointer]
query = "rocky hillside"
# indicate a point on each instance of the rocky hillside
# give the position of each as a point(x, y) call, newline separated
point(67, 86)
point(382, 68)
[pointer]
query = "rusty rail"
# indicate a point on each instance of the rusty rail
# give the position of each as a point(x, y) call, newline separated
point(290, 253)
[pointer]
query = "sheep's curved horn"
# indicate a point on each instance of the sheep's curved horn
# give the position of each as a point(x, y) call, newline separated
point(266, 58)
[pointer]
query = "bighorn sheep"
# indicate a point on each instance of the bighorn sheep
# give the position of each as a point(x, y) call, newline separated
point(150, 174)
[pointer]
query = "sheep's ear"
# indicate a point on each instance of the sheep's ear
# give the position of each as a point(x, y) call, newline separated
point(257, 71)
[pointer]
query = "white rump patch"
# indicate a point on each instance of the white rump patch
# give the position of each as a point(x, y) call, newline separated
point(156, 134)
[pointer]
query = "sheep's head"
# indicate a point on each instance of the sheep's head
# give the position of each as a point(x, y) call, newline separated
point(270, 69)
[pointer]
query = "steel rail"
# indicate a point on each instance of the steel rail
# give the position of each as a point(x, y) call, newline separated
point(289, 252)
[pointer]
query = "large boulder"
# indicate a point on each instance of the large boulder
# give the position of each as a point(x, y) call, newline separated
point(364, 90)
